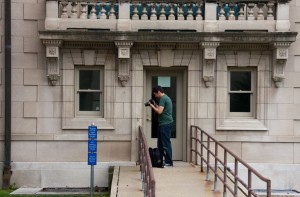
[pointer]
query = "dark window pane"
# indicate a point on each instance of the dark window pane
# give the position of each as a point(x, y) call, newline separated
point(89, 101)
point(89, 79)
point(240, 80)
point(240, 102)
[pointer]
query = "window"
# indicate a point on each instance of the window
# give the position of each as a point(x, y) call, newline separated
point(89, 92)
point(242, 90)
point(241, 93)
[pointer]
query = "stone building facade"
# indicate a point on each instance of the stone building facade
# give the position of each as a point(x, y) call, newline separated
point(78, 63)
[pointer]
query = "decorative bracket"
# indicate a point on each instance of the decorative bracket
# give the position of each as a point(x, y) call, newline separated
point(124, 60)
point(52, 60)
point(280, 56)
point(209, 61)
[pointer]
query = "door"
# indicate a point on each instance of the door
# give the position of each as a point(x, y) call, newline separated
point(172, 83)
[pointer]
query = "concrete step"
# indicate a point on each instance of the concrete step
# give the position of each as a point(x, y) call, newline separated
point(182, 180)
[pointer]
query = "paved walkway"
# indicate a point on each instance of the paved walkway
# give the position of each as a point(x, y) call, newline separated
point(180, 181)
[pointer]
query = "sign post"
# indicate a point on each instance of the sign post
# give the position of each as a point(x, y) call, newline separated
point(92, 152)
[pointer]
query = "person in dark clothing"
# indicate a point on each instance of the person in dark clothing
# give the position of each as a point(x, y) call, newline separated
point(165, 122)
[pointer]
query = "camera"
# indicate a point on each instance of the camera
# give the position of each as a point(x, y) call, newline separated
point(148, 102)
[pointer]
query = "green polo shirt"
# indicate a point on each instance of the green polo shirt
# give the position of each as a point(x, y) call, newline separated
point(166, 116)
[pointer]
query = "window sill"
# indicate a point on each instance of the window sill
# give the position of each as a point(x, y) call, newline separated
point(83, 123)
point(240, 125)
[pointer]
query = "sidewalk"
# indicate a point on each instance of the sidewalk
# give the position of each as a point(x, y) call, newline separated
point(180, 181)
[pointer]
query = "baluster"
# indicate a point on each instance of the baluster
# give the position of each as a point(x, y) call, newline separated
point(74, 10)
point(231, 11)
point(112, 14)
point(171, 16)
point(64, 11)
point(250, 12)
point(153, 12)
point(135, 15)
point(190, 12)
point(270, 6)
point(162, 12)
point(103, 11)
point(180, 12)
point(241, 12)
point(222, 12)
point(144, 12)
point(199, 13)
point(83, 14)
point(260, 13)
point(93, 11)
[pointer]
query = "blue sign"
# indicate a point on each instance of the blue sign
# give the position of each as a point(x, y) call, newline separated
point(92, 146)
point(92, 158)
point(92, 132)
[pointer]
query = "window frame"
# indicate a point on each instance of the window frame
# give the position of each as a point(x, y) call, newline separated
point(252, 92)
point(79, 113)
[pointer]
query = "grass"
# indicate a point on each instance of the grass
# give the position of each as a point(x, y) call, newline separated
point(6, 193)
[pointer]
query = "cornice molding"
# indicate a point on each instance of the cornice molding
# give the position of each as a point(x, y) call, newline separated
point(242, 46)
point(102, 45)
point(123, 43)
point(53, 42)
point(171, 37)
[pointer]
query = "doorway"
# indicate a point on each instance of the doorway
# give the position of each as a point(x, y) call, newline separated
point(172, 81)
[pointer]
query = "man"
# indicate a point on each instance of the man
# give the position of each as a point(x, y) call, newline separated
point(165, 122)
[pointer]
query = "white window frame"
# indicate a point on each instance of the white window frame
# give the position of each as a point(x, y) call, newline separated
point(77, 91)
point(252, 93)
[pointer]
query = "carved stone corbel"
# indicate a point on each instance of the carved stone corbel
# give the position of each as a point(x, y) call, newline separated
point(52, 60)
point(280, 56)
point(124, 60)
point(209, 61)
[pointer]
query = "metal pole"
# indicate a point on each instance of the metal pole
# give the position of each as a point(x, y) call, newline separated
point(92, 180)
point(7, 144)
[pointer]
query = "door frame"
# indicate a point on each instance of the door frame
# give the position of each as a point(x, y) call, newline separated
point(183, 72)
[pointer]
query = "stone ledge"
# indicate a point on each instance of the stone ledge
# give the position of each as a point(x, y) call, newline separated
point(259, 139)
point(176, 37)
point(67, 137)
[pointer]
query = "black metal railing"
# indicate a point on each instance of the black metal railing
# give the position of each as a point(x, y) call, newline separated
point(231, 179)
point(147, 174)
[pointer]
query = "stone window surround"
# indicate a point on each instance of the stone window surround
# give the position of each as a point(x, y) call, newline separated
point(242, 59)
point(70, 59)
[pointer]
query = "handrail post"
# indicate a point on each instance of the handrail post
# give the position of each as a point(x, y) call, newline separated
point(249, 183)
point(216, 168)
point(201, 150)
point(196, 147)
point(208, 159)
point(235, 177)
point(191, 144)
point(268, 188)
point(225, 174)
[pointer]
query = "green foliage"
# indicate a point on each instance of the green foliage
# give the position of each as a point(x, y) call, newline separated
point(6, 193)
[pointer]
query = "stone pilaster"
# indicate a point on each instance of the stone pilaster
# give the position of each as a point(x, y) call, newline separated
point(209, 61)
point(280, 56)
point(124, 60)
point(52, 60)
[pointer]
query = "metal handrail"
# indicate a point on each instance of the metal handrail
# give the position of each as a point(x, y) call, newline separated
point(147, 175)
point(200, 137)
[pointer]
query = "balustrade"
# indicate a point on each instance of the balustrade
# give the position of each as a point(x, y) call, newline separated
point(187, 15)
point(246, 11)
point(88, 10)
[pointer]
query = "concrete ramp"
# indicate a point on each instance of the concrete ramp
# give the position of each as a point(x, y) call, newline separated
point(180, 181)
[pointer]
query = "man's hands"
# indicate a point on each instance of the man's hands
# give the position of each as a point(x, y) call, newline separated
point(158, 109)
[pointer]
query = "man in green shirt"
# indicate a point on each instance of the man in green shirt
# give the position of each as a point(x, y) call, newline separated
point(165, 122)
